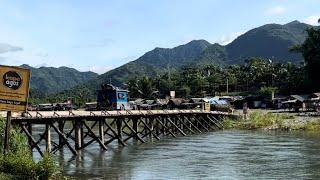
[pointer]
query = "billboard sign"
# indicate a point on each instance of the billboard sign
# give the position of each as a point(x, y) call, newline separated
point(14, 88)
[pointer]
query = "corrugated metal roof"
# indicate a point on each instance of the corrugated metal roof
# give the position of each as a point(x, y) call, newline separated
point(300, 98)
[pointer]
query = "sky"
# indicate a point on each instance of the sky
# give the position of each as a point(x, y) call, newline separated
point(99, 35)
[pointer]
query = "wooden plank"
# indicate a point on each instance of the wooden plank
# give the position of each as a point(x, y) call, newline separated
point(195, 127)
point(151, 131)
point(165, 127)
point(216, 124)
point(135, 133)
point(25, 130)
point(184, 134)
point(204, 121)
point(95, 137)
point(65, 139)
point(200, 123)
point(184, 124)
point(115, 135)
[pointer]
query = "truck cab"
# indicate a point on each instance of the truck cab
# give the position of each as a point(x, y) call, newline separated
point(112, 98)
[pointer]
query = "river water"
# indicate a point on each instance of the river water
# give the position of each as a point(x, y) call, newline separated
point(216, 155)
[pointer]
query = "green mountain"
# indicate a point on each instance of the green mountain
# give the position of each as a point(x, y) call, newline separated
point(51, 80)
point(271, 41)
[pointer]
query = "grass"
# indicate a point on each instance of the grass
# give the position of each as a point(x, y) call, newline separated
point(19, 164)
point(264, 120)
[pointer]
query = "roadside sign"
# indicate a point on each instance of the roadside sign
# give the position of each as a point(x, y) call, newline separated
point(14, 88)
point(207, 107)
point(172, 94)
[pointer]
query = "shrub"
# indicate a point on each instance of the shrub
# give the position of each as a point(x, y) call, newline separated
point(18, 163)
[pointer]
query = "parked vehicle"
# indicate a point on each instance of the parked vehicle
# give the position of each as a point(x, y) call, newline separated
point(92, 106)
point(112, 98)
point(64, 107)
point(45, 107)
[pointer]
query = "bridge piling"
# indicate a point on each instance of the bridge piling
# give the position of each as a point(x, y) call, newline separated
point(101, 130)
point(135, 126)
point(106, 127)
point(61, 129)
point(48, 138)
point(119, 128)
point(78, 135)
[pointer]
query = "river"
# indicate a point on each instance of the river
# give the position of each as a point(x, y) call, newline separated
point(228, 154)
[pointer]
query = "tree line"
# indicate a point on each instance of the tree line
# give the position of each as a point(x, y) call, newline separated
point(257, 75)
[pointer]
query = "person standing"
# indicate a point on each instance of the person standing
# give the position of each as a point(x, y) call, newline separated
point(245, 111)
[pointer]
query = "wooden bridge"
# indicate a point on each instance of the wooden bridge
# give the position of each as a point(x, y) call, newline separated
point(78, 129)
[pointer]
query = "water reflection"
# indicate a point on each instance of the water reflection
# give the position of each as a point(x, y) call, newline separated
point(219, 155)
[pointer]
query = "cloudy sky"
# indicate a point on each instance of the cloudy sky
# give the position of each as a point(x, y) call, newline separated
point(101, 35)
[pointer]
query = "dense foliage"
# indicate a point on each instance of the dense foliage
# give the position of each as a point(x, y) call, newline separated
point(310, 50)
point(18, 163)
point(257, 75)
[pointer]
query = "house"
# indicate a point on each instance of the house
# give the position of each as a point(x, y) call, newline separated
point(162, 103)
point(176, 103)
point(219, 105)
point(296, 102)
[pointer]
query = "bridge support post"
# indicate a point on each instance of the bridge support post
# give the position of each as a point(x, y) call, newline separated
point(48, 138)
point(119, 129)
point(61, 127)
point(151, 126)
point(78, 134)
point(135, 126)
point(101, 130)
point(29, 127)
point(157, 129)
point(163, 128)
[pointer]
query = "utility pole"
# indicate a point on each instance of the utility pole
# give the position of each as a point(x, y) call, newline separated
point(227, 86)
point(169, 72)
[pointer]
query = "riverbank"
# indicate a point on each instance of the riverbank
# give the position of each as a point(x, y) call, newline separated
point(18, 163)
point(268, 120)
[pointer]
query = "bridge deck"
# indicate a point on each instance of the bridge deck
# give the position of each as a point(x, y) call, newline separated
point(106, 127)
point(65, 115)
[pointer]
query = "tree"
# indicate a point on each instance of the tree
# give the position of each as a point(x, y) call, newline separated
point(141, 88)
point(310, 50)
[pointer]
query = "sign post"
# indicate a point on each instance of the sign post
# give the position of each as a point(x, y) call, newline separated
point(14, 92)
point(7, 133)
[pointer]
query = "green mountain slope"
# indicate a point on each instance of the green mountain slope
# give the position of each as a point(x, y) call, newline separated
point(270, 41)
point(51, 80)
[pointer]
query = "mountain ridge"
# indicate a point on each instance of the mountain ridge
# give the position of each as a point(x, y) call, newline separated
point(269, 41)
point(51, 80)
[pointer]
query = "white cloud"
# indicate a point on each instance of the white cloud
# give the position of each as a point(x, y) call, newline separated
point(226, 39)
point(276, 10)
point(8, 48)
point(96, 69)
point(312, 20)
